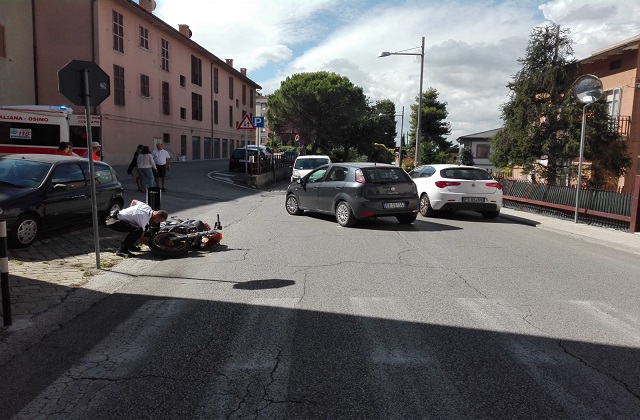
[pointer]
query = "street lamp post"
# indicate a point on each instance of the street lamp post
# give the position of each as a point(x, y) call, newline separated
point(419, 125)
point(588, 89)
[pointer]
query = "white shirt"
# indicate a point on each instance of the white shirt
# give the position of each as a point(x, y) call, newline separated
point(138, 215)
point(160, 156)
point(146, 161)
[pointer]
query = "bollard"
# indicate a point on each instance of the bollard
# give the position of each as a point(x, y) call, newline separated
point(153, 200)
point(4, 276)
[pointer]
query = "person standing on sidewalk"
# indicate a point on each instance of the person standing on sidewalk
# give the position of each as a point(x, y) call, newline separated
point(161, 157)
point(133, 167)
point(134, 220)
point(146, 167)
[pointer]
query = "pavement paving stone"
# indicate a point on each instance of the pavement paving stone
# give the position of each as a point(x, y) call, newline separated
point(44, 274)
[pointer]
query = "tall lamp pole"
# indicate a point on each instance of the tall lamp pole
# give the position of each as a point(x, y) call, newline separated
point(588, 89)
point(401, 128)
point(419, 125)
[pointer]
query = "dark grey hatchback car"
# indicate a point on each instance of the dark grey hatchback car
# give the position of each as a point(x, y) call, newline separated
point(45, 191)
point(355, 191)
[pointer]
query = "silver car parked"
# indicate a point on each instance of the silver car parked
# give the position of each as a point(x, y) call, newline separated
point(355, 191)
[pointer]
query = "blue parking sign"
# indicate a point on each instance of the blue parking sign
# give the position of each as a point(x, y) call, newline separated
point(258, 122)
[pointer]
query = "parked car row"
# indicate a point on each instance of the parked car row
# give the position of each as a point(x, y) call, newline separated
point(358, 191)
point(39, 192)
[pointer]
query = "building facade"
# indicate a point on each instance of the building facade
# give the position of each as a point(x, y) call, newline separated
point(164, 86)
point(261, 111)
point(480, 146)
point(617, 68)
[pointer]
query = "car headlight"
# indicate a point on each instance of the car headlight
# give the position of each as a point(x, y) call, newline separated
point(296, 174)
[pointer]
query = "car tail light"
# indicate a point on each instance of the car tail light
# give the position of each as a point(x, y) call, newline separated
point(494, 185)
point(360, 177)
point(445, 184)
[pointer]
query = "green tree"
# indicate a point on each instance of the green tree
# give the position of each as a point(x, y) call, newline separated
point(434, 146)
point(542, 118)
point(318, 106)
point(466, 157)
point(384, 112)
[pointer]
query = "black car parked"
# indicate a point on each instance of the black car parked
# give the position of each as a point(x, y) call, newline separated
point(44, 191)
point(355, 191)
point(238, 159)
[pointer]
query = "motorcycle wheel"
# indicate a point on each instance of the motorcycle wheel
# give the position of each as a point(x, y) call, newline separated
point(163, 245)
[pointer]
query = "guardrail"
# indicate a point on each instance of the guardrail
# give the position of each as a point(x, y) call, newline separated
point(610, 209)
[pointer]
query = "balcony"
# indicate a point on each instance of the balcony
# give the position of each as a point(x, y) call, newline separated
point(621, 124)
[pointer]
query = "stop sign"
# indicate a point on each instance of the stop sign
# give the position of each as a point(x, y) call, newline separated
point(71, 82)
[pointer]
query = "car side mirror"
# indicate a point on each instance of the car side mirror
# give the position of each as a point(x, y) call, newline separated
point(302, 182)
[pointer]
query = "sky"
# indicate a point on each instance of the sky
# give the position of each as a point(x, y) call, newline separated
point(471, 47)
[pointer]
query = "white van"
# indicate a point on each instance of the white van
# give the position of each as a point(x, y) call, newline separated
point(307, 163)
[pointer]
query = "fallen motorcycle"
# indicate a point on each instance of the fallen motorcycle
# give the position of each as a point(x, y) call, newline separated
point(176, 237)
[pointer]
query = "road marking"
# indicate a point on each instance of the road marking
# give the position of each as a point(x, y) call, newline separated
point(227, 179)
point(255, 373)
point(401, 359)
point(72, 394)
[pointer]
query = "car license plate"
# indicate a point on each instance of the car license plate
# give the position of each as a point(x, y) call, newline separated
point(473, 199)
point(400, 205)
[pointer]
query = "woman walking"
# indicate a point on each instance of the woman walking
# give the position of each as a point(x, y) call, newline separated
point(146, 167)
point(133, 167)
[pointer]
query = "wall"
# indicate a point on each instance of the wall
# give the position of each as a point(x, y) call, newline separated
point(16, 70)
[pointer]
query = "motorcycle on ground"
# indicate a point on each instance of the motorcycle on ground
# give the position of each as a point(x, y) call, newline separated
point(176, 237)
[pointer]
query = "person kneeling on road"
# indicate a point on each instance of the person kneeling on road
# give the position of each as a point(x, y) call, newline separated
point(134, 220)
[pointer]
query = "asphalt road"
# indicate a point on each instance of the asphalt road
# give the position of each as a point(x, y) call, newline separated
point(296, 317)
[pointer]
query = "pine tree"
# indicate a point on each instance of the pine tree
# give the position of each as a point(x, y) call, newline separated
point(542, 119)
point(434, 146)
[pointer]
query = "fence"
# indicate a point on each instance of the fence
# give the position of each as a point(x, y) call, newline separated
point(616, 210)
point(269, 164)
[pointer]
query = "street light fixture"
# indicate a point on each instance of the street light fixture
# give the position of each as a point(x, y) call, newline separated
point(418, 128)
point(588, 89)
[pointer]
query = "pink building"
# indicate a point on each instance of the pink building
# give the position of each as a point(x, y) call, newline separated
point(617, 68)
point(164, 86)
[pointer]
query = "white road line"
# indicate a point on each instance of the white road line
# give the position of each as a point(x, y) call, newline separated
point(74, 392)
point(401, 358)
point(255, 375)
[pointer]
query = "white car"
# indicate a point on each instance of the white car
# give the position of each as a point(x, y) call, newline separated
point(307, 163)
point(450, 187)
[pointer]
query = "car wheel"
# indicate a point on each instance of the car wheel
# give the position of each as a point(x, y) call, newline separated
point(425, 206)
point(344, 215)
point(406, 219)
point(292, 205)
point(24, 231)
point(490, 214)
point(116, 205)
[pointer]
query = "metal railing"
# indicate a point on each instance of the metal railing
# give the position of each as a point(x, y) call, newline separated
point(598, 207)
point(621, 124)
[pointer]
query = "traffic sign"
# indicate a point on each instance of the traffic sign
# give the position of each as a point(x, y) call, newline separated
point(258, 122)
point(71, 82)
point(246, 123)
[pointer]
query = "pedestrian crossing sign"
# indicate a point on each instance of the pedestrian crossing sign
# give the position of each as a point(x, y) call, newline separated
point(246, 123)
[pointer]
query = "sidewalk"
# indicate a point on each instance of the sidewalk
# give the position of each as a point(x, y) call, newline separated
point(623, 241)
point(45, 274)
